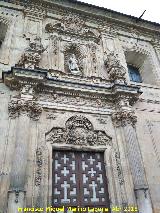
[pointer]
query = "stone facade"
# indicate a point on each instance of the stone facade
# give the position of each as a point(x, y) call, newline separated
point(64, 84)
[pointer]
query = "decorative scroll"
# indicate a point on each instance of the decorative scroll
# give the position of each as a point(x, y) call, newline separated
point(78, 131)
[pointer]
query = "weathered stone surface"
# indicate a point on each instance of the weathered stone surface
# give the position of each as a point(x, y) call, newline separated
point(64, 84)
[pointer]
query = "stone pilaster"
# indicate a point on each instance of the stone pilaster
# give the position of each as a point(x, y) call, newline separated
point(127, 119)
point(23, 111)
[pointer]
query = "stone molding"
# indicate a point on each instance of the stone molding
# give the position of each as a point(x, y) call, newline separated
point(143, 28)
point(57, 87)
point(19, 106)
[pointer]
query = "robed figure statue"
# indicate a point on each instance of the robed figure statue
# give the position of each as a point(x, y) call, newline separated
point(73, 65)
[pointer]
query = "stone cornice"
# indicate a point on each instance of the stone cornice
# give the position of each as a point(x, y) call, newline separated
point(43, 81)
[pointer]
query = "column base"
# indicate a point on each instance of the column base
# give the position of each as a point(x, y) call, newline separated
point(143, 200)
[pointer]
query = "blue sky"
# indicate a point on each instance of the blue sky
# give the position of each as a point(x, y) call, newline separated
point(132, 7)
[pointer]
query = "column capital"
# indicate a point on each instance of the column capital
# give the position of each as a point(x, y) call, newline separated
point(20, 106)
point(124, 117)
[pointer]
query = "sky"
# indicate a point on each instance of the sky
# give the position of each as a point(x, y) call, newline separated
point(132, 7)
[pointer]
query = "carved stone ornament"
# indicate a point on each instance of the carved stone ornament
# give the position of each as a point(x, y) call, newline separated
point(39, 163)
point(119, 168)
point(73, 22)
point(16, 195)
point(124, 117)
point(78, 131)
point(115, 69)
point(32, 55)
point(34, 11)
point(31, 108)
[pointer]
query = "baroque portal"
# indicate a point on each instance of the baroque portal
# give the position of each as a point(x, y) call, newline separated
point(75, 127)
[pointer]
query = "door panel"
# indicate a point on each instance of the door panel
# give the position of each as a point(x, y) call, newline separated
point(79, 180)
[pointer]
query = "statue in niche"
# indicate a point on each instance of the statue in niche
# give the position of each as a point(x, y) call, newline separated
point(73, 65)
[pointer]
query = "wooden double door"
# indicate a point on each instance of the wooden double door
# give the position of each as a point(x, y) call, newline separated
point(79, 180)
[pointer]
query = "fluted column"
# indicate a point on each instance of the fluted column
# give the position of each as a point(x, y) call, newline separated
point(126, 119)
point(23, 111)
